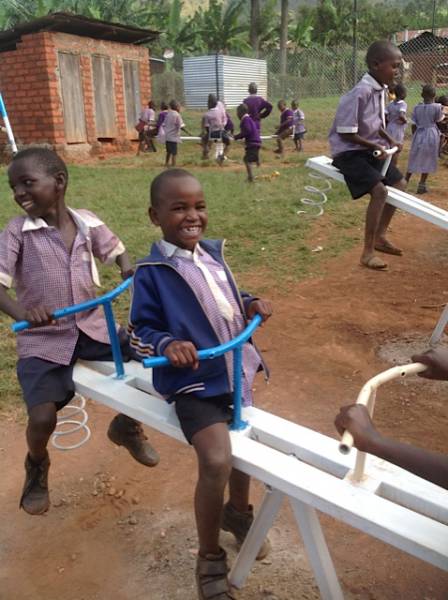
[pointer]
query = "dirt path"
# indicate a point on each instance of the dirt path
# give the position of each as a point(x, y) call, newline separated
point(119, 531)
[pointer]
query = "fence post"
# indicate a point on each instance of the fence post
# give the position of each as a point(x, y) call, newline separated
point(355, 40)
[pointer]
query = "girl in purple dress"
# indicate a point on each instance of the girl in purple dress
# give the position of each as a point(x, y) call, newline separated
point(396, 117)
point(424, 153)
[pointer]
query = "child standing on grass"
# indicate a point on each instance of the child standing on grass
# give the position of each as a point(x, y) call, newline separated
point(250, 133)
point(284, 130)
point(173, 126)
point(48, 257)
point(358, 130)
point(298, 122)
point(213, 127)
point(258, 107)
point(185, 298)
point(425, 146)
point(396, 117)
point(160, 130)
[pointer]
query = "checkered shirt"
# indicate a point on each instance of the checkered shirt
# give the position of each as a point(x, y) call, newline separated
point(35, 261)
point(225, 330)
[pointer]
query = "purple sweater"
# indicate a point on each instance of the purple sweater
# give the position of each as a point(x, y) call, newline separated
point(249, 132)
point(286, 120)
point(259, 108)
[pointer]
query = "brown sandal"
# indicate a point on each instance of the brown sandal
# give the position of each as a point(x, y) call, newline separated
point(211, 577)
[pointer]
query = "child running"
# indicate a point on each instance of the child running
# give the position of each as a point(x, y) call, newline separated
point(284, 130)
point(250, 133)
point(396, 117)
point(185, 298)
point(172, 125)
point(358, 129)
point(425, 146)
point(48, 255)
point(299, 128)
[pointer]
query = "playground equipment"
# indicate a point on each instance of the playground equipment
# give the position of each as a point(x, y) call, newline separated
point(294, 462)
point(8, 127)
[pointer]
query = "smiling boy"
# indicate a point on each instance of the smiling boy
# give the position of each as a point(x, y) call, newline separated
point(359, 128)
point(185, 298)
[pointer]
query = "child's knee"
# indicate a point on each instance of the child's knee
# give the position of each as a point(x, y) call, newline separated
point(216, 464)
point(379, 192)
point(42, 418)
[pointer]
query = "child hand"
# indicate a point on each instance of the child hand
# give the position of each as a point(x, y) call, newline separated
point(356, 419)
point(182, 354)
point(260, 307)
point(39, 316)
point(436, 361)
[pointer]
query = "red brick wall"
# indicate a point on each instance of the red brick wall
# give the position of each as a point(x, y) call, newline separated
point(29, 81)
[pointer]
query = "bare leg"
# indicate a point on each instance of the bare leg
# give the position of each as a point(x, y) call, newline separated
point(422, 189)
point(41, 424)
point(214, 454)
point(408, 176)
point(374, 212)
point(167, 160)
point(173, 160)
point(239, 484)
point(250, 175)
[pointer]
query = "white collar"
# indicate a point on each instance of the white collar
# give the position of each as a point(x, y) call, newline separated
point(171, 250)
point(369, 80)
point(83, 222)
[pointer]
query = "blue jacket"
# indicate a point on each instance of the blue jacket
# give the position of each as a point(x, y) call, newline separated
point(165, 308)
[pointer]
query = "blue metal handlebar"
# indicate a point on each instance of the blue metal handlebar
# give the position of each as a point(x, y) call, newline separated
point(235, 345)
point(106, 302)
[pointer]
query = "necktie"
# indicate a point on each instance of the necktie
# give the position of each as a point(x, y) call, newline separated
point(225, 308)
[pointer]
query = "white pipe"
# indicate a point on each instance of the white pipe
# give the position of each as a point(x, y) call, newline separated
point(390, 152)
point(366, 397)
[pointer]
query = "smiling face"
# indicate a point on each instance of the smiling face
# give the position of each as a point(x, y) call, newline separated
point(181, 212)
point(36, 191)
point(387, 69)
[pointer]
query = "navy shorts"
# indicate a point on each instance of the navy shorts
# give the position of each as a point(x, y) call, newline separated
point(195, 413)
point(362, 171)
point(299, 136)
point(171, 148)
point(44, 381)
point(252, 155)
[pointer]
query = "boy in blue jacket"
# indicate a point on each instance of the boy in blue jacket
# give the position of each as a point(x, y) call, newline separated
point(184, 298)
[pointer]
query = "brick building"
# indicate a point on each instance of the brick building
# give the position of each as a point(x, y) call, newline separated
point(74, 83)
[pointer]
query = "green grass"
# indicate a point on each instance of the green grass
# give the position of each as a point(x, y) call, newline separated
point(269, 245)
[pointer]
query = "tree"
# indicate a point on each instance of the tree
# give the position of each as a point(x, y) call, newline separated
point(221, 26)
point(283, 36)
point(254, 38)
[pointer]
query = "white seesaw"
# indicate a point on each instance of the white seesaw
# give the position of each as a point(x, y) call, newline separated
point(294, 462)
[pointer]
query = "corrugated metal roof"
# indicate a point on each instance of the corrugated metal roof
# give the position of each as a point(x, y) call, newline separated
point(76, 25)
point(226, 76)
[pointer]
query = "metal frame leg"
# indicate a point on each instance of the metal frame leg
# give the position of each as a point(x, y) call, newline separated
point(439, 328)
point(262, 523)
point(317, 550)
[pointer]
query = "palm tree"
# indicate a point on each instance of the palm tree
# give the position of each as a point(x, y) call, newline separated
point(254, 25)
point(221, 27)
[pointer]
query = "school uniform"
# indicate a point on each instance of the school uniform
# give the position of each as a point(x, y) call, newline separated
point(35, 261)
point(298, 122)
point(286, 121)
point(259, 108)
point(424, 152)
point(361, 111)
point(214, 122)
point(395, 111)
point(174, 300)
point(172, 126)
point(251, 134)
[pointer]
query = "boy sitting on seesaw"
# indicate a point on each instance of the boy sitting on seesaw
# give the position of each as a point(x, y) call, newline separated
point(185, 298)
point(359, 128)
point(48, 257)
point(355, 418)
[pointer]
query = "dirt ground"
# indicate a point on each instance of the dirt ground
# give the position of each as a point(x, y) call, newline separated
point(119, 531)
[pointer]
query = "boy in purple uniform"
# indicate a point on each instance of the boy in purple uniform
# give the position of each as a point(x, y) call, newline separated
point(251, 134)
point(285, 129)
point(48, 255)
point(185, 298)
point(358, 130)
point(258, 107)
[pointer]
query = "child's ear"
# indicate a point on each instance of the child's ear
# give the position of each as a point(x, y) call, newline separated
point(152, 212)
point(61, 180)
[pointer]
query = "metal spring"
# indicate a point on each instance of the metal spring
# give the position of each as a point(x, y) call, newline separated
point(66, 415)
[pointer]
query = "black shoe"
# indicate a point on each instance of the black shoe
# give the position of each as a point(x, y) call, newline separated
point(124, 431)
point(35, 499)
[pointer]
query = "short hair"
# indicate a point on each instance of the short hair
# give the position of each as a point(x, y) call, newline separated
point(443, 100)
point(151, 104)
point(428, 91)
point(379, 51)
point(157, 184)
point(212, 101)
point(281, 102)
point(295, 104)
point(45, 158)
point(242, 109)
point(400, 90)
point(253, 89)
point(174, 104)
point(163, 105)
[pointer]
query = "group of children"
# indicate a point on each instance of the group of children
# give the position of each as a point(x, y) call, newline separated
point(217, 128)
